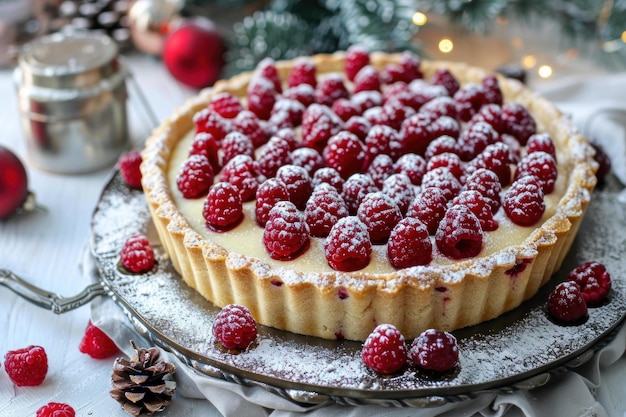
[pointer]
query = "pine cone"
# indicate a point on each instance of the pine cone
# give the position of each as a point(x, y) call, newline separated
point(139, 385)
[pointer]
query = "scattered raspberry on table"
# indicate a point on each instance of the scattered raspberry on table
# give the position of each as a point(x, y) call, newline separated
point(27, 367)
point(96, 343)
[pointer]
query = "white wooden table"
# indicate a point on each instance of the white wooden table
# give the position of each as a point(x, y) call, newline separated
point(45, 247)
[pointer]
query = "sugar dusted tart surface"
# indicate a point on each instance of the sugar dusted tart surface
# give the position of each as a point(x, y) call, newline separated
point(307, 296)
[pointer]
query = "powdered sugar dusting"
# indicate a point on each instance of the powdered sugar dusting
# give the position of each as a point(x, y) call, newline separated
point(494, 355)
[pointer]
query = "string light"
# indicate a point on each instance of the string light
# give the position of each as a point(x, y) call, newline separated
point(419, 19)
point(446, 45)
point(545, 71)
point(529, 61)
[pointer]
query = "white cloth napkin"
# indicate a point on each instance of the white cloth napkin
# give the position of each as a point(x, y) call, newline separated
point(598, 108)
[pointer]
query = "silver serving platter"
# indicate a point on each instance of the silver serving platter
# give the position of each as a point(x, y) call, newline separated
point(522, 349)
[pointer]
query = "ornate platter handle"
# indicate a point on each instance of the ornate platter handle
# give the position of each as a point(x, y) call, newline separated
point(49, 300)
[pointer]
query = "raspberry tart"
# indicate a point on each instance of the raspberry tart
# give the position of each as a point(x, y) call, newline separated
point(353, 190)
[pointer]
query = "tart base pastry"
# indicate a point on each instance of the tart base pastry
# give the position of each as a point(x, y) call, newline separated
point(333, 305)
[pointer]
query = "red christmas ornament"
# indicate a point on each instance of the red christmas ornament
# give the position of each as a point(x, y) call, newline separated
point(13, 183)
point(194, 53)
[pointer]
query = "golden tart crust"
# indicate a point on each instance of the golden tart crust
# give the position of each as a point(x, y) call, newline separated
point(444, 296)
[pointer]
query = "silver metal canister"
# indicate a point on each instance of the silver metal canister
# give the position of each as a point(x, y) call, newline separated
point(72, 100)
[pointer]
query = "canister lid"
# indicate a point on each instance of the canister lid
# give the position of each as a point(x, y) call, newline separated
point(68, 60)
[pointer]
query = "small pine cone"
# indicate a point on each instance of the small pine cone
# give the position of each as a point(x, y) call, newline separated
point(139, 385)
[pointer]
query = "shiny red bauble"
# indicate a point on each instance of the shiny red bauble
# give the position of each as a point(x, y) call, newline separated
point(13, 183)
point(194, 53)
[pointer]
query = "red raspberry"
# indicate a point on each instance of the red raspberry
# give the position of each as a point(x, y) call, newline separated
point(261, 94)
point(566, 303)
point(293, 108)
point(286, 234)
point(356, 58)
point(375, 116)
point(274, 155)
point(345, 153)
point(443, 144)
point(96, 343)
point(129, 168)
point(487, 183)
point(416, 134)
point(234, 327)
point(496, 158)
point(366, 100)
point(249, 124)
point(594, 282)
point(267, 68)
point(435, 350)
point(307, 158)
point(382, 139)
point(356, 187)
point(348, 247)
point(491, 86)
point(298, 183)
point(359, 126)
point(448, 160)
point(27, 367)
point(410, 64)
point(514, 147)
point(397, 89)
point(429, 206)
point(241, 172)
point(328, 175)
point(209, 121)
point(400, 189)
point(518, 122)
point(303, 72)
point(444, 77)
point(367, 79)
point(381, 167)
point(195, 176)
point(345, 109)
point(394, 113)
point(407, 69)
point(459, 234)
point(329, 89)
point(490, 114)
point(223, 208)
point(137, 254)
point(445, 126)
point(319, 123)
point(475, 139)
point(380, 214)
point(405, 97)
point(304, 93)
point(267, 195)
point(205, 144)
point(603, 160)
point(443, 179)
point(409, 244)
point(478, 205)
point(424, 92)
point(469, 99)
point(384, 350)
point(53, 409)
point(440, 106)
point(290, 136)
point(543, 166)
point(324, 209)
point(236, 143)
point(226, 105)
point(523, 203)
point(541, 142)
